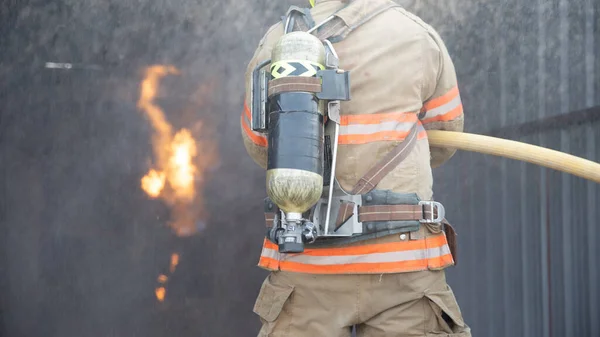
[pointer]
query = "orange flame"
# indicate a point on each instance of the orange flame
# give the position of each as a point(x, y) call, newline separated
point(181, 171)
point(160, 293)
point(174, 262)
point(153, 183)
point(178, 171)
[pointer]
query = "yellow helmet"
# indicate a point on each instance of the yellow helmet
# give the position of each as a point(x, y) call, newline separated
point(312, 3)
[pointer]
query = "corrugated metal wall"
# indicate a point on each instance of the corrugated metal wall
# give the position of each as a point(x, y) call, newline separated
point(528, 236)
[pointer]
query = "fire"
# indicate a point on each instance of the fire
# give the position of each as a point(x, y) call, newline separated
point(178, 169)
point(153, 183)
point(174, 262)
point(181, 170)
point(180, 161)
point(160, 293)
point(161, 290)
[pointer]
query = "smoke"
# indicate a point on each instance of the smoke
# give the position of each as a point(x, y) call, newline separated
point(84, 249)
point(84, 246)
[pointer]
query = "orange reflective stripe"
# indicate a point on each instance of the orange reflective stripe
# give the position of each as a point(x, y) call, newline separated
point(268, 263)
point(247, 111)
point(441, 262)
point(362, 268)
point(378, 136)
point(431, 252)
point(269, 245)
point(361, 129)
point(367, 128)
point(255, 137)
point(437, 241)
point(445, 108)
point(448, 116)
point(432, 242)
point(442, 100)
point(378, 118)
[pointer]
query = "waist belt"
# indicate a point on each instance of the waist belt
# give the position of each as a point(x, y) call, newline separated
point(374, 214)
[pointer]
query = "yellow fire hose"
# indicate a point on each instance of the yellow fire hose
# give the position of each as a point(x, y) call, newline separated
point(516, 150)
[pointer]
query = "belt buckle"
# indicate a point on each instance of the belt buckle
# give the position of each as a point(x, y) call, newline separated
point(441, 212)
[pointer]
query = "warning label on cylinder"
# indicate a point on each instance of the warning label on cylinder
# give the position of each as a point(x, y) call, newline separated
point(295, 68)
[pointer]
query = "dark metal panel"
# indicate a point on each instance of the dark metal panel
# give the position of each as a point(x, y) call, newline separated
point(593, 233)
point(509, 205)
point(534, 244)
point(579, 245)
point(555, 243)
point(532, 269)
point(592, 29)
point(577, 58)
point(492, 217)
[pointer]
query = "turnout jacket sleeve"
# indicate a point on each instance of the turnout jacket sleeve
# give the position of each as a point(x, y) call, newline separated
point(442, 106)
point(255, 142)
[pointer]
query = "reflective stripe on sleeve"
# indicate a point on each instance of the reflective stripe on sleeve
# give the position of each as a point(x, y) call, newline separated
point(256, 137)
point(444, 108)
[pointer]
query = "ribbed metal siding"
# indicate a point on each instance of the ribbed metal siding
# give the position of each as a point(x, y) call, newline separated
point(528, 263)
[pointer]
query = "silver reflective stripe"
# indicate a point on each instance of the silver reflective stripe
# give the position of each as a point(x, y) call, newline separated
point(444, 109)
point(246, 119)
point(365, 129)
point(410, 255)
point(270, 253)
point(357, 129)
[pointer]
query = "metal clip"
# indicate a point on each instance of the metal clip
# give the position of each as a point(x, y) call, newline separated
point(258, 98)
point(333, 111)
point(332, 60)
point(441, 212)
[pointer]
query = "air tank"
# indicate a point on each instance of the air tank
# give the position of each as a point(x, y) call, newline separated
point(296, 128)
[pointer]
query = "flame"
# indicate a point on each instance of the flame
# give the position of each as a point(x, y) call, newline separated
point(174, 262)
point(160, 293)
point(153, 183)
point(162, 278)
point(181, 170)
point(178, 169)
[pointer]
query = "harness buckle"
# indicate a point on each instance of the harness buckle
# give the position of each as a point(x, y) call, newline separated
point(441, 212)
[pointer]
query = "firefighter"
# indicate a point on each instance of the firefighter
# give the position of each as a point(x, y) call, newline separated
point(390, 282)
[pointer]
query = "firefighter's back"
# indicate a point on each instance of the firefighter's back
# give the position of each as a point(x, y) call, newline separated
point(389, 285)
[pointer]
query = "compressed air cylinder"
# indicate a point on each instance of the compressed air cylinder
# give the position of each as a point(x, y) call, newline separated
point(296, 127)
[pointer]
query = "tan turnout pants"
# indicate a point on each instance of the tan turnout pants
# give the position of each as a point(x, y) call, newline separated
point(391, 305)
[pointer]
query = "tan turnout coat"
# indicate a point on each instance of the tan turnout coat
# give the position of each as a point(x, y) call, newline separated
point(400, 70)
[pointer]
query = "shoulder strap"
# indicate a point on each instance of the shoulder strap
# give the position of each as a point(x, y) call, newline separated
point(298, 19)
point(352, 16)
point(370, 180)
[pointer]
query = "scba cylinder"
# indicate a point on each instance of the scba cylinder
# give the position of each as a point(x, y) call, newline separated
point(296, 127)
